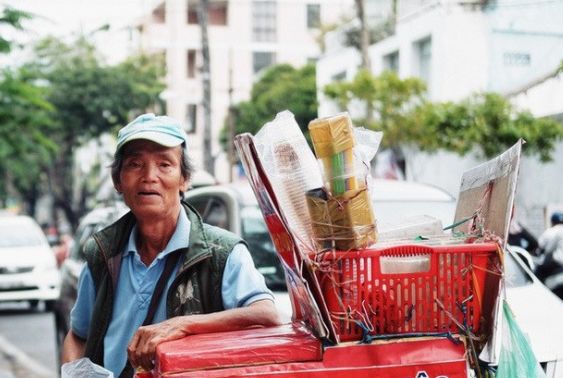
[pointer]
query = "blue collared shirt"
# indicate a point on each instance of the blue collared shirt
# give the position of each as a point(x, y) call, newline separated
point(242, 285)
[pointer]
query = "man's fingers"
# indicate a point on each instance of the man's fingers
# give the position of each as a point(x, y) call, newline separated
point(132, 348)
point(142, 348)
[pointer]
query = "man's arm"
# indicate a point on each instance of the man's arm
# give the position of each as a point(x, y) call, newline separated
point(141, 349)
point(73, 347)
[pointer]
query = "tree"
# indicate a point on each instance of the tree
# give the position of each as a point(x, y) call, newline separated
point(486, 123)
point(281, 87)
point(202, 17)
point(392, 100)
point(12, 18)
point(89, 98)
point(24, 125)
point(25, 147)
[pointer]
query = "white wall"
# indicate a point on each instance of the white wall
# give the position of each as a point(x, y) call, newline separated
point(468, 47)
point(523, 28)
point(231, 48)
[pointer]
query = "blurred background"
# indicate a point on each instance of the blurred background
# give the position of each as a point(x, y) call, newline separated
point(451, 83)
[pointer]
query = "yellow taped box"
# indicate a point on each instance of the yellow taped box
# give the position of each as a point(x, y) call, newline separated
point(332, 135)
point(352, 220)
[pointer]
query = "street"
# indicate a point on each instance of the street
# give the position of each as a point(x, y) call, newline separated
point(27, 342)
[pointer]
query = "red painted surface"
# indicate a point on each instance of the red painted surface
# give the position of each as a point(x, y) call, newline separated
point(357, 289)
point(298, 354)
point(286, 343)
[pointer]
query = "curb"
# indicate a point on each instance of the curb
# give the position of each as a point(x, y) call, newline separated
point(20, 365)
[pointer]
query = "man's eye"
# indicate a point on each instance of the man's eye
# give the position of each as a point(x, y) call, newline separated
point(133, 164)
point(165, 164)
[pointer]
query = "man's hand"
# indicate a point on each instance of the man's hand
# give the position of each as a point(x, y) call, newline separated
point(142, 348)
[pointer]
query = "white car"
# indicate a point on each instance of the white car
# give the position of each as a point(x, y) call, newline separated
point(537, 310)
point(28, 268)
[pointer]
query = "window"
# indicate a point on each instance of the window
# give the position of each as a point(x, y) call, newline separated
point(313, 16)
point(391, 62)
point(423, 50)
point(340, 76)
point(191, 64)
point(159, 13)
point(264, 21)
point(213, 210)
point(192, 13)
point(191, 118)
point(516, 59)
point(216, 13)
point(261, 60)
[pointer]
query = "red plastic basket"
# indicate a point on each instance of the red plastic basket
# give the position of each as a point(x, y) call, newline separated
point(410, 288)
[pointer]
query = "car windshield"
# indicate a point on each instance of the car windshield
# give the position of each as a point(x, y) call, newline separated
point(515, 275)
point(15, 235)
point(254, 229)
point(393, 212)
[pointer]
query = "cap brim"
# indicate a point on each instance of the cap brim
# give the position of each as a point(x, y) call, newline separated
point(156, 137)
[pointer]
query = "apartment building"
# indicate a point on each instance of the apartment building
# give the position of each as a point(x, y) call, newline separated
point(245, 37)
point(459, 47)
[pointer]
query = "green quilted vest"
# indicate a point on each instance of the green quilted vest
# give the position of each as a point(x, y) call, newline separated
point(195, 290)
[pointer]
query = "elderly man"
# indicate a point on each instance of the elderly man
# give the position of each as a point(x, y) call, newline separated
point(159, 273)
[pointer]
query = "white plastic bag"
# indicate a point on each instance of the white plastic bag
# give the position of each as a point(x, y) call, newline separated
point(84, 368)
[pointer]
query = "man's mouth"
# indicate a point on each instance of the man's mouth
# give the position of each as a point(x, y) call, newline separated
point(148, 194)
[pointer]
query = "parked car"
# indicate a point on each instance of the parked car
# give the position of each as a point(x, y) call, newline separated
point(28, 269)
point(537, 310)
point(94, 221)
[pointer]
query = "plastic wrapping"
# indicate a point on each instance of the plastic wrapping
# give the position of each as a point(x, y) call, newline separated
point(344, 154)
point(517, 358)
point(410, 228)
point(84, 368)
point(292, 169)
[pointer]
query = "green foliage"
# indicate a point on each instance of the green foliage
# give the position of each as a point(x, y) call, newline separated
point(486, 123)
point(393, 101)
point(25, 147)
point(87, 98)
point(281, 87)
point(376, 33)
point(90, 97)
point(13, 18)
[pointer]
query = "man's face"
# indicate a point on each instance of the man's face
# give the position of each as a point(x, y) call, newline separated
point(151, 179)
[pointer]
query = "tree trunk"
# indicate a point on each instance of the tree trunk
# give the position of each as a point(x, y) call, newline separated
point(208, 159)
point(364, 33)
point(364, 51)
point(61, 182)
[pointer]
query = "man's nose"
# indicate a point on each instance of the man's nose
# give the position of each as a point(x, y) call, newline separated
point(150, 172)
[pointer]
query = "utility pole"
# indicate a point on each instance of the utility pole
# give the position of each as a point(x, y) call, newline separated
point(231, 119)
point(364, 34)
point(364, 51)
point(208, 159)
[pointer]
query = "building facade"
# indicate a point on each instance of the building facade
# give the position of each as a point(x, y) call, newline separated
point(462, 47)
point(245, 36)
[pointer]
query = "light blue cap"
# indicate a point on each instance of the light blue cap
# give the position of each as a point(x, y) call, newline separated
point(163, 130)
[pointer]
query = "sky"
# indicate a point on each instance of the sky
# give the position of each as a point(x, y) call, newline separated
point(67, 18)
